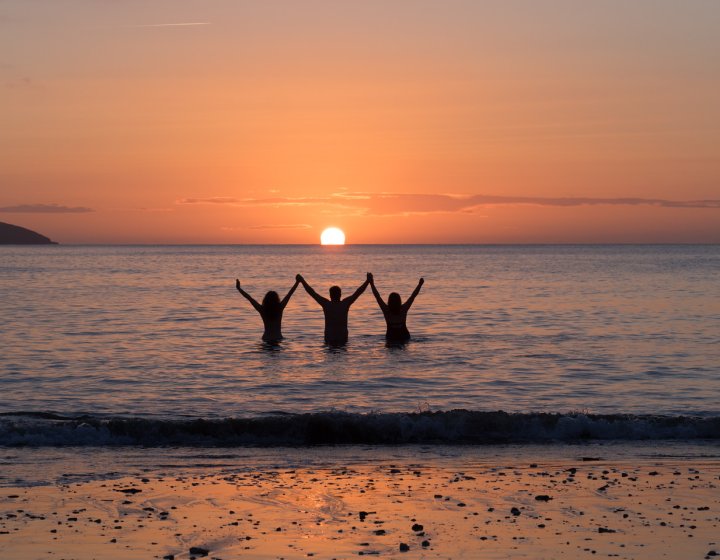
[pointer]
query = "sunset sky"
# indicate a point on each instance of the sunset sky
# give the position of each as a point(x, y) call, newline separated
point(403, 121)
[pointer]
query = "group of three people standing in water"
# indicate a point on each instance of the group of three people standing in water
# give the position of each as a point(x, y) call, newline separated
point(336, 311)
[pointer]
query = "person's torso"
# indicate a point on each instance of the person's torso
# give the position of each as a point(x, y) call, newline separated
point(336, 318)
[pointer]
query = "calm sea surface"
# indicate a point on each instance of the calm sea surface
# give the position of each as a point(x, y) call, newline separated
point(160, 331)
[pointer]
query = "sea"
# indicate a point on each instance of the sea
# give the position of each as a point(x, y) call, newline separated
point(106, 351)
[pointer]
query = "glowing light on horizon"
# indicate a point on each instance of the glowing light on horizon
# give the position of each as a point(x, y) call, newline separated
point(332, 236)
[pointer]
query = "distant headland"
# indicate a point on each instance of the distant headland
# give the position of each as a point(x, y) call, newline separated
point(16, 235)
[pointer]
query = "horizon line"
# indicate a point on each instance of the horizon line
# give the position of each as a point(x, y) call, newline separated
point(499, 244)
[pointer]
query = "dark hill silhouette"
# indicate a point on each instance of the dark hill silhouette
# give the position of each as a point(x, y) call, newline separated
point(16, 235)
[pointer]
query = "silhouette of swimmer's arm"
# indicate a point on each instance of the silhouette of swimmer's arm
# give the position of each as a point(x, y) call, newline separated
point(248, 297)
point(313, 294)
point(412, 297)
point(351, 299)
point(286, 299)
point(377, 295)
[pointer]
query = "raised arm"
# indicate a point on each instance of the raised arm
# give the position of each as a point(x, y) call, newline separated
point(313, 294)
point(412, 297)
point(248, 297)
point(377, 295)
point(351, 299)
point(286, 299)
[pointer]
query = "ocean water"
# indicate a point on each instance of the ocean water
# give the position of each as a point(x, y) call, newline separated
point(103, 345)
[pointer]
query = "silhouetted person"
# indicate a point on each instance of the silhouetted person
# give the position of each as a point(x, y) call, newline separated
point(335, 309)
point(395, 312)
point(271, 310)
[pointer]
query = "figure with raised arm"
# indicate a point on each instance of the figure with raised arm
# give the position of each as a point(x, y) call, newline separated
point(395, 312)
point(271, 310)
point(335, 309)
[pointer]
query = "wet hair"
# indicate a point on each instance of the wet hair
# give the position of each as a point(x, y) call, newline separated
point(394, 302)
point(335, 292)
point(271, 303)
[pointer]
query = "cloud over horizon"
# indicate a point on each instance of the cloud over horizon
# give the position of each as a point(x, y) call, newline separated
point(281, 226)
point(388, 204)
point(45, 209)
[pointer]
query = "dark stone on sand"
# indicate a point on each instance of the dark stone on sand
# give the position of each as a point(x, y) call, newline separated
point(591, 458)
point(404, 547)
point(606, 530)
point(199, 551)
point(363, 515)
point(379, 532)
point(394, 471)
point(417, 527)
point(712, 553)
point(543, 498)
point(515, 511)
point(425, 544)
point(169, 557)
point(129, 490)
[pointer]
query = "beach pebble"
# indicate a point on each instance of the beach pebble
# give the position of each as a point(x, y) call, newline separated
point(515, 511)
point(404, 547)
point(199, 551)
point(543, 498)
point(417, 527)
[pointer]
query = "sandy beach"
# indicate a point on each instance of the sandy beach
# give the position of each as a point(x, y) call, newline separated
point(583, 508)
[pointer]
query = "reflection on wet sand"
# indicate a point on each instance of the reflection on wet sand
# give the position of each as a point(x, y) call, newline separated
point(574, 509)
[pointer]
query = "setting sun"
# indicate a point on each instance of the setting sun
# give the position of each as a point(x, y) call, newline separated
point(332, 236)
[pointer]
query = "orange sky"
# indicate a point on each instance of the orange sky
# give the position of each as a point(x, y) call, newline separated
point(412, 121)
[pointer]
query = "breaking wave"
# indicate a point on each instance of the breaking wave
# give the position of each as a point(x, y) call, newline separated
point(342, 428)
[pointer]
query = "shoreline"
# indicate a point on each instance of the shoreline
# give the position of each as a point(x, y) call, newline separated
point(532, 502)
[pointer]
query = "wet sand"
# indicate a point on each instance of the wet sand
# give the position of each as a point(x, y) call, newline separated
point(585, 508)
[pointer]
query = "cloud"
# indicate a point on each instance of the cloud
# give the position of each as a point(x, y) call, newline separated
point(393, 204)
point(175, 24)
point(211, 200)
point(282, 226)
point(45, 209)
point(272, 201)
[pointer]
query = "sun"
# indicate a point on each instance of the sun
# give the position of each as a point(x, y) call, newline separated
point(332, 236)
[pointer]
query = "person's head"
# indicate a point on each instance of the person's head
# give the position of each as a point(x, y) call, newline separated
point(394, 302)
point(335, 293)
point(271, 302)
